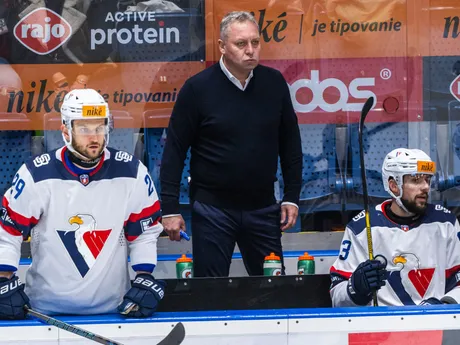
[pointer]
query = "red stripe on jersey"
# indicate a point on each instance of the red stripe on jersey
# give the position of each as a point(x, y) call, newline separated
point(382, 208)
point(16, 217)
point(452, 271)
point(344, 274)
point(11, 230)
point(99, 165)
point(131, 238)
point(146, 212)
point(64, 163)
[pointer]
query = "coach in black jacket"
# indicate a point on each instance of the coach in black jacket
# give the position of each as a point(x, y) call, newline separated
point(237, 117)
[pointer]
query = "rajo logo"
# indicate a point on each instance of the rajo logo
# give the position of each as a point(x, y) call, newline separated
point(455, 88)
point(42, 31)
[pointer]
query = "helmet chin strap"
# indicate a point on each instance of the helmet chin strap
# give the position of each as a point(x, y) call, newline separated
point(398, 200)
point(400, 204)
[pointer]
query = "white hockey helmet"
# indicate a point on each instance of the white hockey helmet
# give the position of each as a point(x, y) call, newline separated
point(84, 104)
point(402, 161)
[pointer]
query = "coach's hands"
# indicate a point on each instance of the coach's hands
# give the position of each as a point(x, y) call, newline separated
point(289, 215)
point(173, 226)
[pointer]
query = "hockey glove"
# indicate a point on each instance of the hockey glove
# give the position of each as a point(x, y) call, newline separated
point(368, 277)
point(143, 297)
point(448, 300)
point(13, 299)
point(431, 301)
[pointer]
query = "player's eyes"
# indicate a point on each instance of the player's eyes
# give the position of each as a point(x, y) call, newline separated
point(100, 130)
point(419, 179)
point(87, 131)
point(83, 130)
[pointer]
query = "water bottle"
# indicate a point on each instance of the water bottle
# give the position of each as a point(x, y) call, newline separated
point(184, 267)
point(80, 82)
point(306, 264)
point(272, 265)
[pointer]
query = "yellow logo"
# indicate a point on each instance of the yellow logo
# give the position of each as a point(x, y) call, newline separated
point(399, 260)
point(93, 111)
point(425, 167)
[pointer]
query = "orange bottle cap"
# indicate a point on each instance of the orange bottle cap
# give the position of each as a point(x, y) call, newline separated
point(272, 256)
point(82, 79)
point(184, 258)
point(58, 77)
point(306, 256)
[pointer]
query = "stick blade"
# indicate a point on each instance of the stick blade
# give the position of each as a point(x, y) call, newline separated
point(175, 337)
point(366, 108)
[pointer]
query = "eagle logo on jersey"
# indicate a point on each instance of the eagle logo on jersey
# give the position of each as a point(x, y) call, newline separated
point(83, 242)
point(408, 264)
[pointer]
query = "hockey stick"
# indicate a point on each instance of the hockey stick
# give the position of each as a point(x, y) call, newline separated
point(367, 106)
point(175, 337)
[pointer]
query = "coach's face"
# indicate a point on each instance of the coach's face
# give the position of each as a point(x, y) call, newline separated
point(241, 47)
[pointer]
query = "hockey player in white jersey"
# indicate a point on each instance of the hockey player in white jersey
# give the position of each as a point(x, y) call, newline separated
point(420, 241)
point(87, 207)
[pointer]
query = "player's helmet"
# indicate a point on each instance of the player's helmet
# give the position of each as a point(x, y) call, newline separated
point(84, 104)
point(402, 161)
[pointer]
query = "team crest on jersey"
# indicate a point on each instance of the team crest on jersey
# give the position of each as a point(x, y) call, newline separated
point(405, 228)
point(420, 278)
point(83, 241)
point(84, 179)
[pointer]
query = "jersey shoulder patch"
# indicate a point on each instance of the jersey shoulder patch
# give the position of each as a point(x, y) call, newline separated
point(438, 213)
point(377, 218)
point(358, 223)
point(124, 163)
point(43, 166)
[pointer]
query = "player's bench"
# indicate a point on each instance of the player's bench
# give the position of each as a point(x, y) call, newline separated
point(255, 310)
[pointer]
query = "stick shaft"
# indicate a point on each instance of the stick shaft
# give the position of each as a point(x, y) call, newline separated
point(70, 328)
point(367, 106)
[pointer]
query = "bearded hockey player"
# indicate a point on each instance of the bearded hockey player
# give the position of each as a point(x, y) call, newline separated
point(419, 241)
point(87, 207)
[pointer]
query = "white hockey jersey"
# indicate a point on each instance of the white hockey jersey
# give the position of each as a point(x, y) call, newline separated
point(83, 227)
point(423, 258)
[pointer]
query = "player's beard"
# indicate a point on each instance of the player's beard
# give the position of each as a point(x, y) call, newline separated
point(412, 206)
point(85, 151)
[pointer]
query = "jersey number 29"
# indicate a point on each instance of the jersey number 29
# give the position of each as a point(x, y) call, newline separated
point(18, 186)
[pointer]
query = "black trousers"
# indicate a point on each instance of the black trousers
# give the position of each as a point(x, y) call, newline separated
point(215, 232)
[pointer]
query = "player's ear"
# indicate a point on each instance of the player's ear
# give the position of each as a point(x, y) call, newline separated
point(65, 131)
point(393, 186)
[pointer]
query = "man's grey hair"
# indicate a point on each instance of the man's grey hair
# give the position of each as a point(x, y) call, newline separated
point(235, 16)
